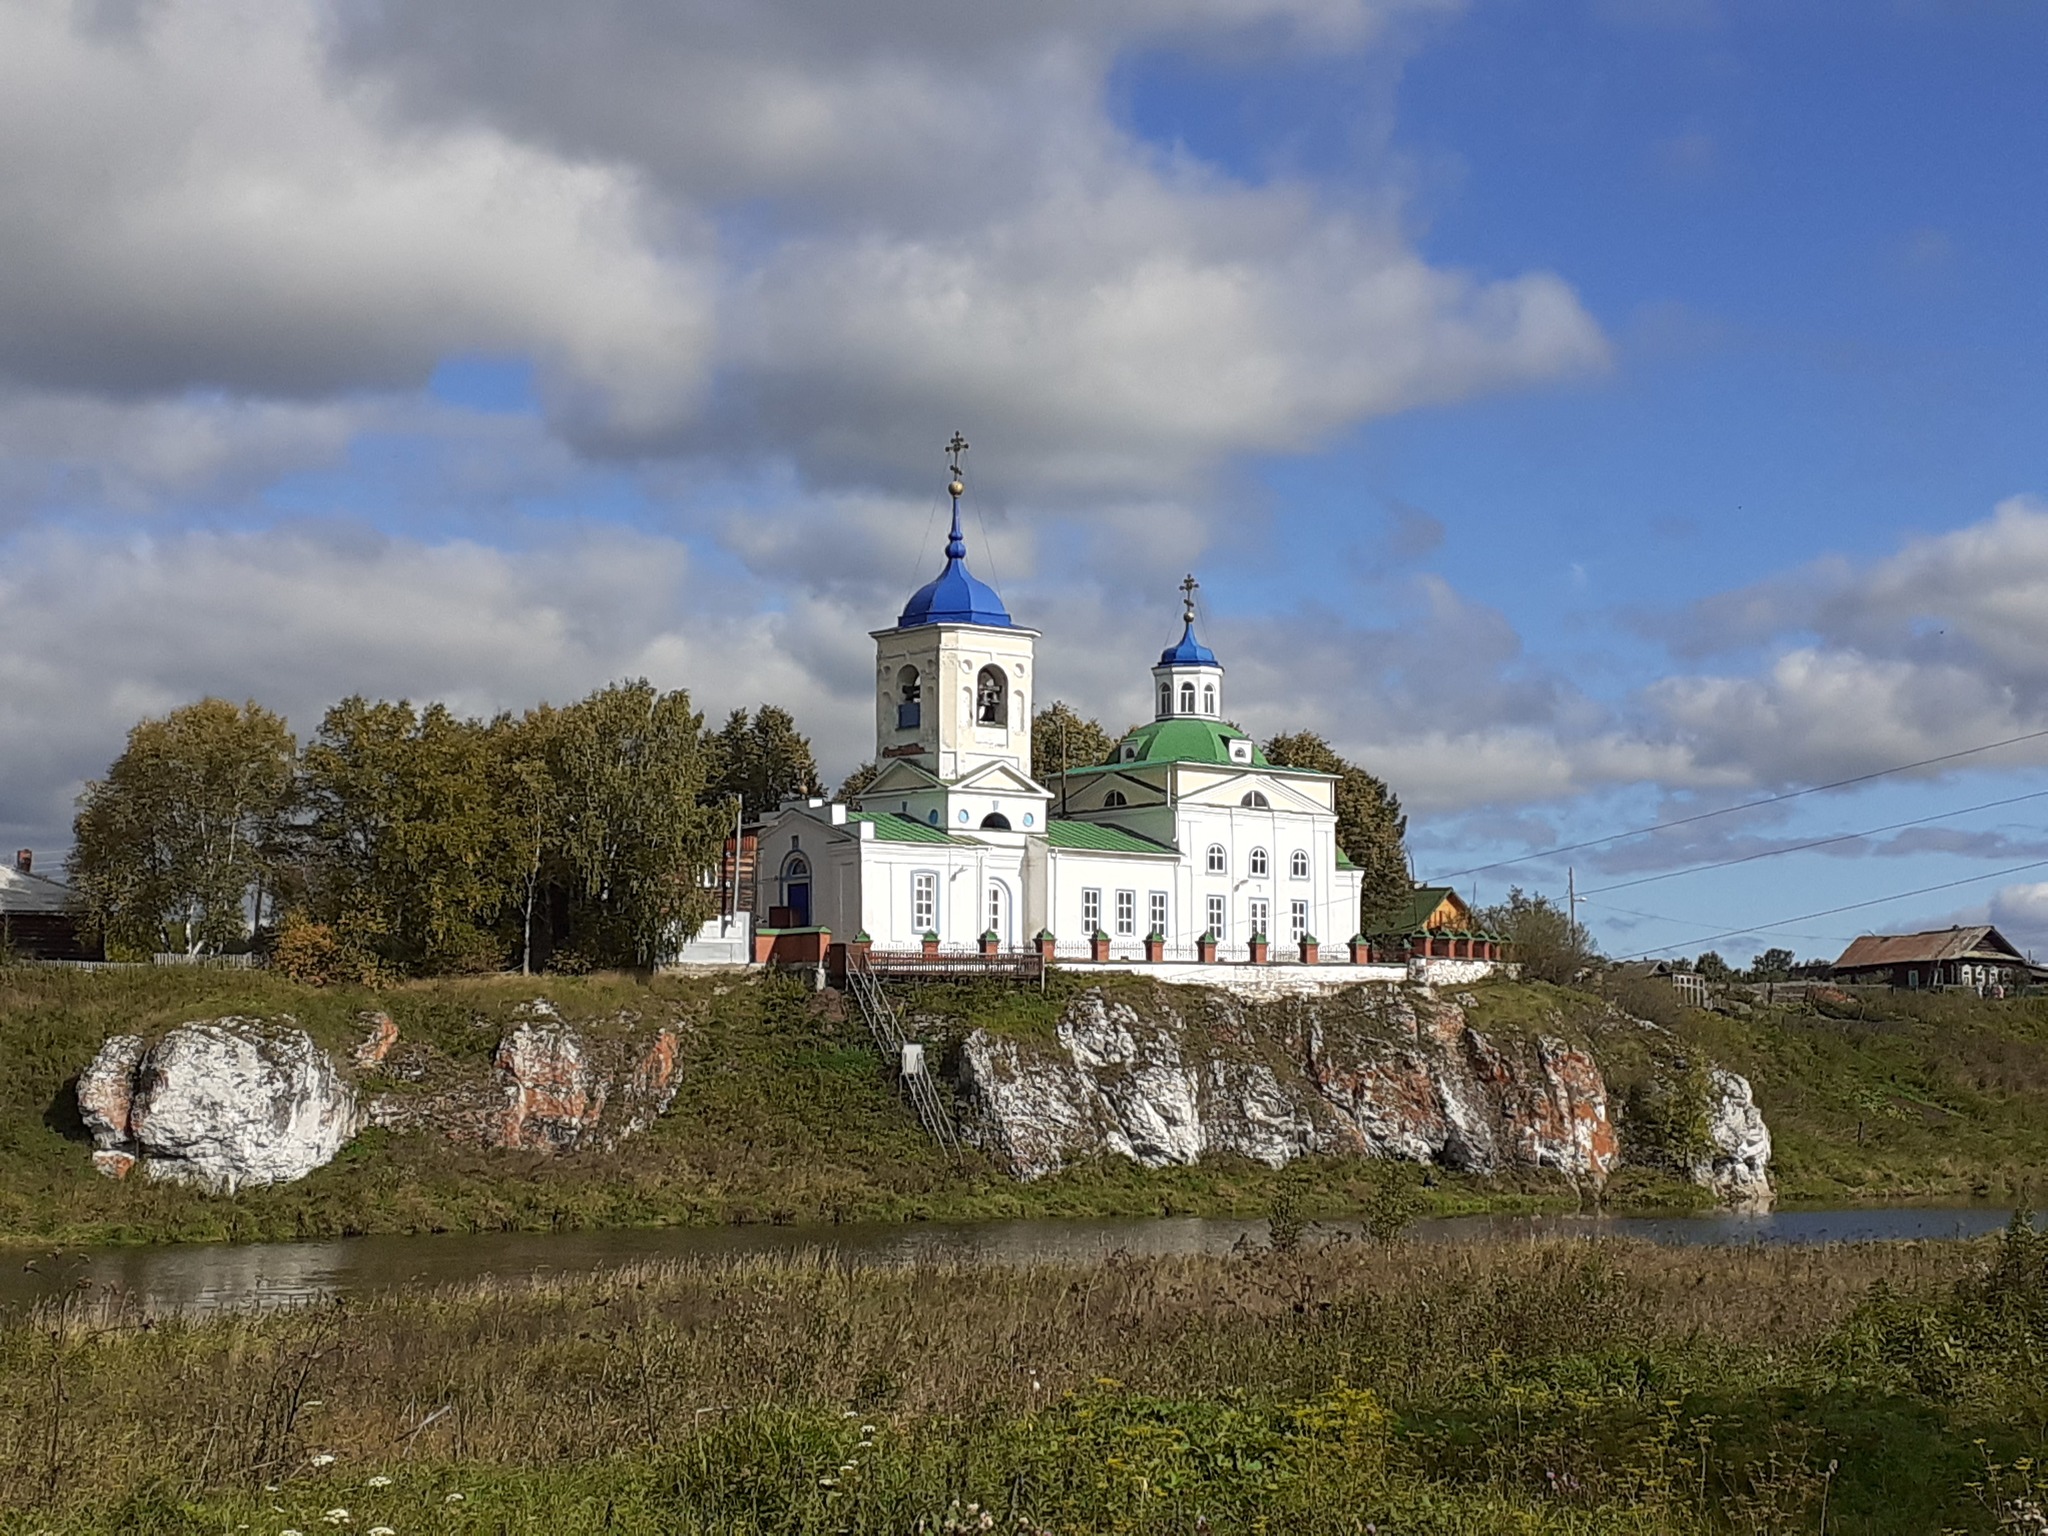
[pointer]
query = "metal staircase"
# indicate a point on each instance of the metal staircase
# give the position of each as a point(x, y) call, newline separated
point(903, 1058)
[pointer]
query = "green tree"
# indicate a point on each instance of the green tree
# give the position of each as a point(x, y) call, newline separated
point(857, 781)
point(637, 833)
point(1370, 827)
point(1542, 937)
point(762, 760)
point(406, 842)
point(1062, 738)
point(1771, 965)
point(525, 760)
point(1713, 967)
point(176, 847)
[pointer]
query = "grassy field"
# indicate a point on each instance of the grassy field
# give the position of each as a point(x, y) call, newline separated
point(1558, 1388)
point(782, 1115)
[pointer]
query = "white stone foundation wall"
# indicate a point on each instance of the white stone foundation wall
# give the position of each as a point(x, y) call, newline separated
point(1253, 981)
point(1439, 972)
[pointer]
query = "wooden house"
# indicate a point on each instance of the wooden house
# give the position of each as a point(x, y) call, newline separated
point(38, 918)
point(1434, 923)
point(1978, 957)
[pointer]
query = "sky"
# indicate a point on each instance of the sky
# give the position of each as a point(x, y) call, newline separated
point(1588, 414)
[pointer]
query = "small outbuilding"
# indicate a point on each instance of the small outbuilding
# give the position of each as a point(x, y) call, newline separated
point(1978, 957)
point(1435, 922)
point(39, 917)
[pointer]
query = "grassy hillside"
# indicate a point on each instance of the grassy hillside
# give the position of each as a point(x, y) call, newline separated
point(782, 1114)
point(1552, 1390)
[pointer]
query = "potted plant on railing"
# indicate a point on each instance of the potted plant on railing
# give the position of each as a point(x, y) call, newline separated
point(931, 946)
point(1155, 947)
point(1310, 949)
point(991, 942)
point(1048, 946)
point(1205, 947)
point(1361, 949)
point(1098, 946)
point(1260, 949)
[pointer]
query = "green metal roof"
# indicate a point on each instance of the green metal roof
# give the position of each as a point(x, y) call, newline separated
point(1062, 833)
point(1344, 860)
point(895, 827)
point(1179, 741)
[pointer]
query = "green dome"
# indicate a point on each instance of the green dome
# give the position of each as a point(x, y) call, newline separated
point(1184, 740)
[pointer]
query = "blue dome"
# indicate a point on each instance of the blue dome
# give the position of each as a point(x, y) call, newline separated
point(956, 595)
point(1189, 653)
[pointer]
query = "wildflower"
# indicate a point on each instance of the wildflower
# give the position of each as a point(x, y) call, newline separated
point(270, 1487)
point(337, 1517)
point(288, 1533)
point(867, 1431)
point(382, 1530)
point(453, 1498)
point(828, 1482)
point(379, 1481)
point(324, 1459)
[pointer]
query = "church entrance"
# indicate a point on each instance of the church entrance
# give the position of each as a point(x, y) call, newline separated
point(999, 913)
point(796, 890)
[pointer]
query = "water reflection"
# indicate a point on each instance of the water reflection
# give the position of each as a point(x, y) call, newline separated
point(201, 1278)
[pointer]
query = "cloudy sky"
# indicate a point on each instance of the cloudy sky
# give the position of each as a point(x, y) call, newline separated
point(1587, 413)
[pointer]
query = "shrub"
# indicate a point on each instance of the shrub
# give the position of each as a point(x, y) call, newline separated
point(314, 955)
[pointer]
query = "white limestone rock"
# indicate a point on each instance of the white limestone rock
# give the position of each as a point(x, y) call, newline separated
point(106, 1095)
point(1739, 1166)
point(234, 1102)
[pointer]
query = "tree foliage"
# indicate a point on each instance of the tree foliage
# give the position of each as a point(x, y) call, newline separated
point(176, 848)
point(761, 759)
point(856, 782)
point(1543, 938)
point(1063, 738)
point(1370, 827)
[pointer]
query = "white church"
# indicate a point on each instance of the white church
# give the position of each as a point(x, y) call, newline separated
point(1185, 834)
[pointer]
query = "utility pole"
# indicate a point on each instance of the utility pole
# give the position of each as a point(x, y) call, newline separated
point(1572, 898)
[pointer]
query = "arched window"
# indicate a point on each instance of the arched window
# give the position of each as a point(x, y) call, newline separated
point(1256, 799)
point(998, 911)
point(909, 699)
point(992, 697)
point(1187, 698)
point(1297, 864)
point(995, 821)
point(1166, 698)
point(1218, 862)
point(1114, 798)
point(1259, 863)
point(796, 890)
point(1208, 698)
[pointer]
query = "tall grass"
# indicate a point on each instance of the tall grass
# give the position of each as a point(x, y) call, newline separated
point(1541, 1388)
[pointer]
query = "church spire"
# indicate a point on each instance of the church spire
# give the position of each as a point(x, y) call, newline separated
point(956, 542)
point(955, 596)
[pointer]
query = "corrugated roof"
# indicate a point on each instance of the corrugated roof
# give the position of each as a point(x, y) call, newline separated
point(895, 827)
point(1102, 839)
point(1981, 941)
point(31, 893)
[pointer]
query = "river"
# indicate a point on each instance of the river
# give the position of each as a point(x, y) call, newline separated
point(210, 1277)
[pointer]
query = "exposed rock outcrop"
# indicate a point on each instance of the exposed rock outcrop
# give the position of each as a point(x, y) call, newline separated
point(1738, 1168)
point(1420, 1083)
point(224, 1103)
point(380, 1035)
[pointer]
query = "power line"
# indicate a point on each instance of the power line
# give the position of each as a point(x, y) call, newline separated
point(1747, 805)
point(1820, 842)
point(1853, 906)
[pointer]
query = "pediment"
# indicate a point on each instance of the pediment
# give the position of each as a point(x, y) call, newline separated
point(1231, 791)
point(1000, 777)
point(1092, 793)
point(901, 776)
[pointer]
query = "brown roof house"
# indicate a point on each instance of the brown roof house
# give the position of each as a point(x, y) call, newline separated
point(1978, 957)
point(38, 918)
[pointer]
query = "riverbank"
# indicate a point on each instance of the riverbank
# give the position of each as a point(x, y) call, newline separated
point(1559, 1388)
point(781, 1115)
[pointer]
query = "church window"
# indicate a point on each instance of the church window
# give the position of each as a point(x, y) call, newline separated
point(1218, 863)
point(924, 903)
point(1208, 698)
point(1126, 914)
point(1187, 698)
point(1166, 698)
point(1256, 800)
point(995, 821)
point(1258, 863)
point(1297, 921)
point(1158, 914)
point(1218, 918)
point(1297, 864)
point(1114, 798)
point(997, 923)
point(1260, 915)
point(1240, 751)
point(909, 699)
point(992, 697)
point(1091, 912)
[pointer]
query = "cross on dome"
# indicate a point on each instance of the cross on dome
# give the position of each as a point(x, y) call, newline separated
point(955, 595)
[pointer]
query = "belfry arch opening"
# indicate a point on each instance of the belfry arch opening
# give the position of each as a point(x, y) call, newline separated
point(992, 698)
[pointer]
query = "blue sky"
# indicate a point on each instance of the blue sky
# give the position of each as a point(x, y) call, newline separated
point(1585, 413)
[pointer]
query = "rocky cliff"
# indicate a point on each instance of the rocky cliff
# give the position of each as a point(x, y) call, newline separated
point(226, 1103)
point(1375, 1072)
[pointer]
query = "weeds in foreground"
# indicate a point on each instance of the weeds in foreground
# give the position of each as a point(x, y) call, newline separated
point(1536, 1388)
